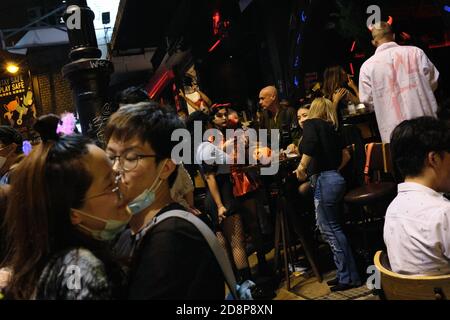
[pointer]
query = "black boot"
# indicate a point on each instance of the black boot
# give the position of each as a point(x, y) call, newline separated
point(264, 270)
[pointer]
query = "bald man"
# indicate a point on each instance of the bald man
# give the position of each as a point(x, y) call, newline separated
point(397, 82)
point(268, 99)
point(275, 116)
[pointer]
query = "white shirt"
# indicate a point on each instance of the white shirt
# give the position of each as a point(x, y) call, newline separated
point(398, 83)
point(417, 231)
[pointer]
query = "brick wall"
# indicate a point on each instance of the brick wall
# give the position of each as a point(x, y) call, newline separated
point(63, 94)
point(52, 91)
point(53, 94)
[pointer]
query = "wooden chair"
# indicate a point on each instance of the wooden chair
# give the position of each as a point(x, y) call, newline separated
point(404, 287)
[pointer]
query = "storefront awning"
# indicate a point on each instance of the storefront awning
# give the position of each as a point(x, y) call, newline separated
point(40, 38)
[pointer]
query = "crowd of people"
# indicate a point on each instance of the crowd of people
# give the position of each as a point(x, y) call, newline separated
point(82, 222)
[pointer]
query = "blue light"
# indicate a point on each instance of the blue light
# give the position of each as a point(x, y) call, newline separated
point(299, 38)
point(26, 147)
point(303, 16)
point(297, 62)
point(296, 82)
point(447, 8)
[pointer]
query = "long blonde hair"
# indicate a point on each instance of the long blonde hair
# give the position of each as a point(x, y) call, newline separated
point(322, 108)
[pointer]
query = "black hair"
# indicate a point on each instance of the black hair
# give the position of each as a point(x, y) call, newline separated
point(149, 122)
point(305, 106)
point(131, 95)
point(412, 140)
point(216, 108)
point(197, 116)
point(444, 110)
point(46, 126)
point(9, 135)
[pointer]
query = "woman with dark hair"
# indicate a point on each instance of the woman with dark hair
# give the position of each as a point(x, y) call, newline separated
point(46, 126)
point(10, 151)
point(339, 87)
point(63, 208)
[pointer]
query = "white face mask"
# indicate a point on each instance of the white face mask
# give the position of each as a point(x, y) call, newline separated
point(110, 231)
point(146, 198)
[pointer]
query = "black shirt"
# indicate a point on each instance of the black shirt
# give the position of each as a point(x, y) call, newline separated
point(172, 261)
point(286, 119)
point(323, 143)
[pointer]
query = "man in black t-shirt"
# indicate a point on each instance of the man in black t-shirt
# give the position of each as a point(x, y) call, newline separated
point(276, 116)
point(172, 260)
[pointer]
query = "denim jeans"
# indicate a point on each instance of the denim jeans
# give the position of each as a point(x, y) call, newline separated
point(329, 189)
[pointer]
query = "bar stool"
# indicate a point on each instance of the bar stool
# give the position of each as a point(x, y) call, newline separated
point(371, 200)
point(282, 234)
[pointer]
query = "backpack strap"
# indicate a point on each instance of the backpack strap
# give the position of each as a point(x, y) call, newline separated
point(213, 243)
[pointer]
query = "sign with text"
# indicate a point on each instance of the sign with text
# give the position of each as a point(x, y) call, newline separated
point(17, 103)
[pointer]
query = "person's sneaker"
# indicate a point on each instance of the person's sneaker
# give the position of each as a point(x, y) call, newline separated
point(342, 287)
point(333, 282)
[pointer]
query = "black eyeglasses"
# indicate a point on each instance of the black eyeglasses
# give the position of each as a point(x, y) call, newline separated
point(129, 161)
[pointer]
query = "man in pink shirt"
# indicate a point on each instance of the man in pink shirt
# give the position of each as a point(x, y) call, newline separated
point(397, 82)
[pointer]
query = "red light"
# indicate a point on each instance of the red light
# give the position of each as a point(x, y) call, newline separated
point(390, 21)
point(405, 35)
point(216, 17)
point(158, 85)
point(162, 81)
point(440, 45)
point(216, 23)
point(215, 45)
point(352, 69)
point(353, 46)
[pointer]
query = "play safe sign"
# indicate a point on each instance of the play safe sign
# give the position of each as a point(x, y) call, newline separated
point(16, 100)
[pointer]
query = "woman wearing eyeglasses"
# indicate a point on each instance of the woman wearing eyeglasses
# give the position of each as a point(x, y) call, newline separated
point(63, 209)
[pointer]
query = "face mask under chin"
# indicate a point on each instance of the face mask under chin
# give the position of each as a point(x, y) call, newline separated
point(109, 232)
point(146, 198)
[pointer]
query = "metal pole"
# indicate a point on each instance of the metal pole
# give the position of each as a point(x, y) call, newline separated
point(16, 31)
point(88, 74)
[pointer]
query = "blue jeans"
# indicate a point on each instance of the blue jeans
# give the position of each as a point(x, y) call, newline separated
point(329, 189)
